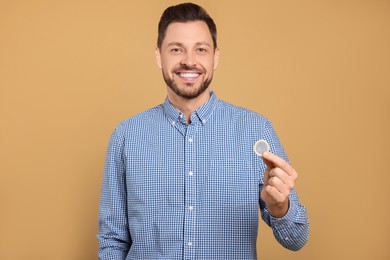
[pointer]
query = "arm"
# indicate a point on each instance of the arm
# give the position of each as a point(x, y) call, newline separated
point(280, 206)
point(114, 238)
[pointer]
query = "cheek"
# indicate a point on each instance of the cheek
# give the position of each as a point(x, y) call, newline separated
point(168, 63)
point(168, 67)
point(209, 65)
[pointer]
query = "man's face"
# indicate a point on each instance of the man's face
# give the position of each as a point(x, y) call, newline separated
point(187, 58)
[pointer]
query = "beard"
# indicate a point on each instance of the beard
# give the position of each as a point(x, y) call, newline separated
point(190, 91)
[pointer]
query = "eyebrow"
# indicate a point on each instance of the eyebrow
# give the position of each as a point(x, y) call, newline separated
point(182, 45)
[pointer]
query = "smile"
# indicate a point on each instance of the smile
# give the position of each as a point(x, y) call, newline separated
point(188, 75)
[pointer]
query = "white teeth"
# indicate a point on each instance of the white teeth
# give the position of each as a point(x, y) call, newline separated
point(189, 75)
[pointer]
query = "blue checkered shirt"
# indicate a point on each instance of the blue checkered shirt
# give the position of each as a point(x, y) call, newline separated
point(173, 190)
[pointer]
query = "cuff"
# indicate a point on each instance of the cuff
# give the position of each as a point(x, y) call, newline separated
point(288, 218)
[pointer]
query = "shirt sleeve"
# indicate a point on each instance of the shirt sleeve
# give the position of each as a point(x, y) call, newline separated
point(292, 230)
point(114, 238)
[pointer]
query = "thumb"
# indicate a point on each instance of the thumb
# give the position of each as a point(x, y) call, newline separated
point(268, 163)
point(270, 166)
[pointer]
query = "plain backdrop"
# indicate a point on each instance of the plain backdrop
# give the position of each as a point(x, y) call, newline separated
point(70, 71)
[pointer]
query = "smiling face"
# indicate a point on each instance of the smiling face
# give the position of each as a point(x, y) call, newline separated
point(187, 58)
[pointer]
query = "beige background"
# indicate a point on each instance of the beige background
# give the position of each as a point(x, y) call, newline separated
point(71, 70)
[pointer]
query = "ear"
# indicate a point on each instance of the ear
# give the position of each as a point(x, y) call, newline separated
point(216, 58)
point(158, 57)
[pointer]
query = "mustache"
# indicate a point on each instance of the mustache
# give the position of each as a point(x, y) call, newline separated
point(185, 67)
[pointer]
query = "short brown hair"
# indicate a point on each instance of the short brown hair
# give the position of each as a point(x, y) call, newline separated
point(186, 12)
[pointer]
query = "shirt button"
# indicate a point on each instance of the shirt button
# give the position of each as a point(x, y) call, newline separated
point(189, 244)
point(190, 173)
point(190, 140)
point(191, 208)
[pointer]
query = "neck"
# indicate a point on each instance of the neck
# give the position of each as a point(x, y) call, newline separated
point(187, 106)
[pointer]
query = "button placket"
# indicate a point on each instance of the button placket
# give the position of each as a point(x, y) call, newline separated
point(190, 192)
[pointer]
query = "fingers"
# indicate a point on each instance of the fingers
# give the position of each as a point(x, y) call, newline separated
point(276, 202)
point(279, 185)
point(278, 173)
point(279, 179)
point(271, 195)
point(273, 161)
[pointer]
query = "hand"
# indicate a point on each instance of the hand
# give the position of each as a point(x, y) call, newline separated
point(279, 180)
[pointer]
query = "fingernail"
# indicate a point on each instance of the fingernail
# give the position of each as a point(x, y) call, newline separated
point(265, 154)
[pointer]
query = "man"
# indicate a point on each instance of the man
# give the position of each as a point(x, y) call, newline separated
point(181, 179)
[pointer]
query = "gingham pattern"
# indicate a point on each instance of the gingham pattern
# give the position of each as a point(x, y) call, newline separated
point(177, 191)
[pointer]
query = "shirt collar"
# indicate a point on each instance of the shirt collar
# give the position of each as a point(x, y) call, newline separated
point(203, 113)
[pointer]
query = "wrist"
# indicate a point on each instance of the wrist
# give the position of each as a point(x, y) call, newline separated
point(279, 210)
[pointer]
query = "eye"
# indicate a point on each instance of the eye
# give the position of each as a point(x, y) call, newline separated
point(176, 50)
point(203, 50)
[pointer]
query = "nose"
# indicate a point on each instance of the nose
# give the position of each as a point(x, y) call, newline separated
point(188, 60)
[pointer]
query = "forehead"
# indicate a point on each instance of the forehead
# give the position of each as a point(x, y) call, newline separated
point(188, 33)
